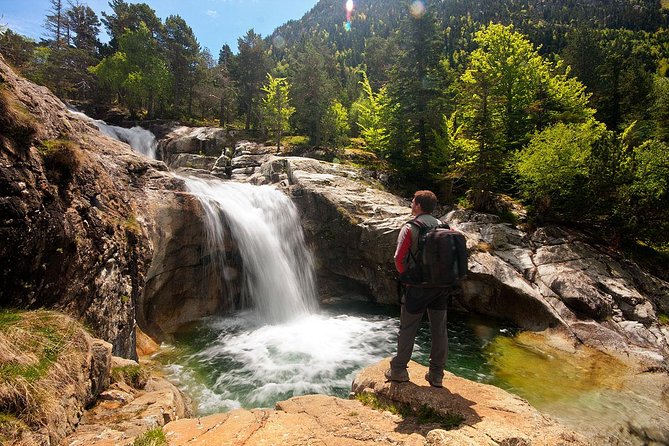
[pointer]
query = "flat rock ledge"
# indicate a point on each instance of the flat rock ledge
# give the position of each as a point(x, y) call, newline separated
point(490, 415)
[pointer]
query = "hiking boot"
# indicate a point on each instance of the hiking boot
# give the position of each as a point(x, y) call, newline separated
point(399, 377)
point(433, 380)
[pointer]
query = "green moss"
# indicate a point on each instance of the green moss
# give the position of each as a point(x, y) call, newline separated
point(663, 318)
point(373, 401)
point(423, 415)
point(131, 224)
point(50, 147)
point(154, 437)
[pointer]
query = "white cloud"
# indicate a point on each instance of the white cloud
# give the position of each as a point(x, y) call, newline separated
point(211, 13)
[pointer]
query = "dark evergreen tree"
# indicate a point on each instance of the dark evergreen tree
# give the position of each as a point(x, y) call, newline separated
point(183, 55)
point(56, 25)
point(314, 87)
point(249, 72)
point(412, 87)
point(129, 16)
point(85, 25)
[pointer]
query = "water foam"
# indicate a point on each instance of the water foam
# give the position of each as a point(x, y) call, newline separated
point(252, 364)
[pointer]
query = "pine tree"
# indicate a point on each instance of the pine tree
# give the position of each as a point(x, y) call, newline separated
point(249, 71)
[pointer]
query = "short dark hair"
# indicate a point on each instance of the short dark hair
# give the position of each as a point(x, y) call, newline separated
point(427, 200)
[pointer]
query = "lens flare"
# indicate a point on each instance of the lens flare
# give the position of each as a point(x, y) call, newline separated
point(349, 13)
point(417, 9)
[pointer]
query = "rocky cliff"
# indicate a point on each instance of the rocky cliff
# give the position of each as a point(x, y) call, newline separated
point(75, 213)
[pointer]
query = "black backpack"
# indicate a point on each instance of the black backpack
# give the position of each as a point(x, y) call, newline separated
point(441, 258)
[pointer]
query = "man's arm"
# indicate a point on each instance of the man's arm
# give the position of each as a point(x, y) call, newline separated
point(403, 247)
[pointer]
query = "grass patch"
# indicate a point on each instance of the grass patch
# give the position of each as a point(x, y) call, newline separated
point(134, 375)
point(9, 318)
point(62, 158)
point(43, 344)
point(423, 415)
point(40, 351)
point(291, 141)
point(153, 437)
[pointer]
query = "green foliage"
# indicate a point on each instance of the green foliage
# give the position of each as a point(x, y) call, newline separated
point(663, 318)
point(371, 110)
point(642, 203)
point(313, 88)
point(276, 108)
point(453, 156)
point(554, 167)
point(508, 91)
point(249, 70)
point(335, 125)
point(137, 72)
point(153, 437)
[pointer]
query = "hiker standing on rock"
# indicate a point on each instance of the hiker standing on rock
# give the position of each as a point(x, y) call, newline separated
point(419, 296)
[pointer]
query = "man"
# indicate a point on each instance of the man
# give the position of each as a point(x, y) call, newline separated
point(417, 300)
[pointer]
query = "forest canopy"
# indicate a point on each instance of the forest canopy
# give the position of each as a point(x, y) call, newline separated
point(561, 105)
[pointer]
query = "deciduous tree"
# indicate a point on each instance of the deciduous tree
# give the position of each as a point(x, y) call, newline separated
point(276, 108)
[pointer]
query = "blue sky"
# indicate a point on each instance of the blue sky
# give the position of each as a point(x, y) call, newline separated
point(214, 22)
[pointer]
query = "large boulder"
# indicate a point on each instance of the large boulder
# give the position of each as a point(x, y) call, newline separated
point(490, 415)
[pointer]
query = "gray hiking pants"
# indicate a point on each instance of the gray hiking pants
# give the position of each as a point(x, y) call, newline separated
point(409, 323)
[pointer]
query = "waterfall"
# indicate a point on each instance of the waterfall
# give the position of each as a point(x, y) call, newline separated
point(277, 272)
point(140, 139)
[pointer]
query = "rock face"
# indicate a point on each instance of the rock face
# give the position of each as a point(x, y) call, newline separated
point(74, 213)
point(553, 278)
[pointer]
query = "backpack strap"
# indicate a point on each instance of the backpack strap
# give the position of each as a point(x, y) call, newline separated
point(422, 230)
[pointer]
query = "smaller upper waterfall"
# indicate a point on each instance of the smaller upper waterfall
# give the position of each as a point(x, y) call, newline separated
point(140, 139)
point(278, 277)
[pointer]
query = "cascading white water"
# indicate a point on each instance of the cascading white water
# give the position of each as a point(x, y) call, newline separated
point(279, 344)
point(277, 272)
point(140, 139)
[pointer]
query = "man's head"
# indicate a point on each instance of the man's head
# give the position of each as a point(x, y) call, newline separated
point(424, 202)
